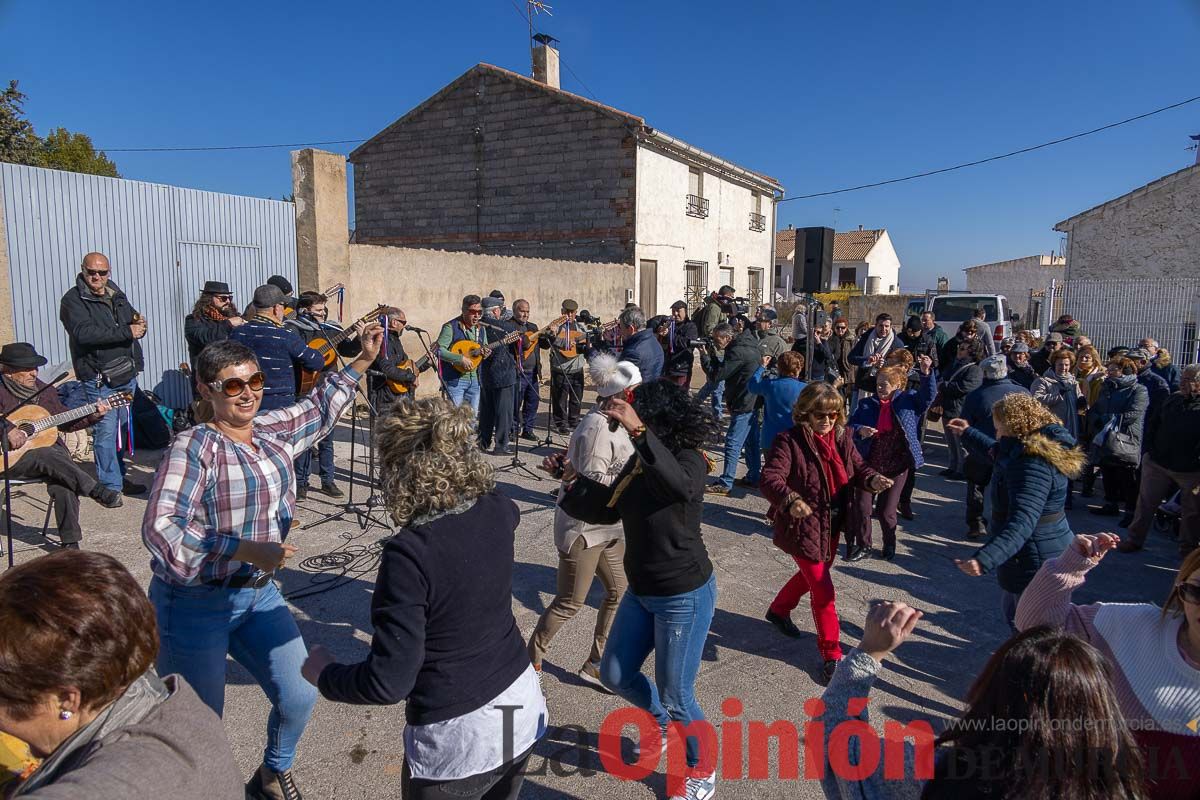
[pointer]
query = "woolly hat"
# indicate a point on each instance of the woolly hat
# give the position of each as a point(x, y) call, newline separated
point(611, 377)
point(1020, 347)
point(994, 367)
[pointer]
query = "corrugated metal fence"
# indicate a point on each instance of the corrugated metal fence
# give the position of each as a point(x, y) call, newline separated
point(163, 242)
point(1122, 312)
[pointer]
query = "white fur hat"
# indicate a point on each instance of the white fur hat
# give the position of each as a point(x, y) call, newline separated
point(611, 377)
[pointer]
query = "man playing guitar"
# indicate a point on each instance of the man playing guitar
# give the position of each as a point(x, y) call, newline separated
point(65, 481)
point(566, 345)
point(393, 376)
point(529, 373)
point(462, 383)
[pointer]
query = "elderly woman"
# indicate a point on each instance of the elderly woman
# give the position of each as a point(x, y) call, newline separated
point(445, 641)
point(672, 589)
point(960, 378)
point(1153, 653)
point(1120, 407)
point(219, 512)
point(587, 550)
point(886, 428)
point(1035, 460)
point(77, 683)
point(1058, 390)
point(779, 393)
point(810, 477)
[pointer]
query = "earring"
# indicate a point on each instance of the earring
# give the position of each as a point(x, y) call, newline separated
point(64, 715)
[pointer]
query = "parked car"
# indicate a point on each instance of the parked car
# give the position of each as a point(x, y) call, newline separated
point(951, 309)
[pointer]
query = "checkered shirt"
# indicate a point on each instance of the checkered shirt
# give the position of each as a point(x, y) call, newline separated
point(211, 492)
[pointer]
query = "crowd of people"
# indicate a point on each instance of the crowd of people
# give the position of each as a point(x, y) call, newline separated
point(118, 692)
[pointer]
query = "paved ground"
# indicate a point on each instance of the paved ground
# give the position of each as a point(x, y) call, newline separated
point(355, 752)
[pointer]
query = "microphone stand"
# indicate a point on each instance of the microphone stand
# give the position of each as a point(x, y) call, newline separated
point(517, 465)
point(8, 533)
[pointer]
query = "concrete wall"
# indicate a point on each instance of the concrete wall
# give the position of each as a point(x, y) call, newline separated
point(1015, 278)
point(496, 164)
point(1152, 233)
point(666, 234)
point(322, 246)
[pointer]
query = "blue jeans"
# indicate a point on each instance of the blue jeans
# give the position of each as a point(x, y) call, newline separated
point(743, 432)
point(110, 463)
point(461, 391)
point(674, 628)
point(717, 392)
point(198, 625)
point(324, 463)
point(1008, 607)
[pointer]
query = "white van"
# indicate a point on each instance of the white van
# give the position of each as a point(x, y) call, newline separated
point(951, 309)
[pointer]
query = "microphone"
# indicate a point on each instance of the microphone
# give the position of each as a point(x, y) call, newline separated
point(59, 377)
point(415, 329)
point(487, 324)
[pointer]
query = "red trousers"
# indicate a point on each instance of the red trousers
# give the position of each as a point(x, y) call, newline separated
point(814, 579)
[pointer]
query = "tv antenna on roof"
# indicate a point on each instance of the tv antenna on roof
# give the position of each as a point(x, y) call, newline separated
point(532, 9)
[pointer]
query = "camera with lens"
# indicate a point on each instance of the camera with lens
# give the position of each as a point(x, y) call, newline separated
point(703, 341)
point(740, 305)
point(586, 317)
point(924, 349)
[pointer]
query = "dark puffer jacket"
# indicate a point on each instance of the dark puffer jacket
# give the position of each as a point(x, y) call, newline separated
point(644, 350)
point(961, 379)
point(1128, 400)
point(1029, 490)
point(98, 330)
point(908, 407)
point(1173, 434)
point(792, 467)
point(743, 357)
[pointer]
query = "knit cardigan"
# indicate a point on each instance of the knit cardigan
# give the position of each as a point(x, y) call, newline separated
point(1157, 689)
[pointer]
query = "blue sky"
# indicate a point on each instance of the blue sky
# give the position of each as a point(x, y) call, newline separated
point(819, 95)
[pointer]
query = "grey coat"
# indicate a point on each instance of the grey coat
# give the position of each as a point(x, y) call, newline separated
point(157, 741)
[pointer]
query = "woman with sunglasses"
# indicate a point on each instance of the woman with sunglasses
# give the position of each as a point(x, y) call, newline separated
point(223, 500)
point(809, 479)
point(1154, 654)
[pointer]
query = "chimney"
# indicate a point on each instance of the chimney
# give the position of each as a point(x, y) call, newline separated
point(789, 226)
point(1196, 146)
point(545, 60)
point(860, 227)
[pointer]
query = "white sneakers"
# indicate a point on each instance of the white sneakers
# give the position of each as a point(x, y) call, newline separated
point(698, 788)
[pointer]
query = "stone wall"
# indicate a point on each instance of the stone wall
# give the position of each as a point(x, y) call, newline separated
point(1154, 232)
point(497, 164)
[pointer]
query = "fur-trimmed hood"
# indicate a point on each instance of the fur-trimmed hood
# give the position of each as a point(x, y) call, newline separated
point(1055, 445)
point(1162, 358)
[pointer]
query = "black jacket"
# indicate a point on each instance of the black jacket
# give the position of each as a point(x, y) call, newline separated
point(923, 342)
point(500, 368)
point(98, 331)
point(389, 368)
point(680, 358)
point(1173, 434)
point(1157, 390)
point(742, 359)
point(201, 331)
point(864, 377)
point(961, 379)
point(1025, 375)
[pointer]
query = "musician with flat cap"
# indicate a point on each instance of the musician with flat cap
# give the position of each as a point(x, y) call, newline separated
point(566, 345)
point(65, 481)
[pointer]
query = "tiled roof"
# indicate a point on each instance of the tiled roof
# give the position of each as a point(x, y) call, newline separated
point(785, 243)
point(854, 245)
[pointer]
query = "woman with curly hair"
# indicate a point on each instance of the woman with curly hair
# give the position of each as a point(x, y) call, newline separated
point(445, 640)
point(672, 590)
point(809, 479)
point(1035, 460)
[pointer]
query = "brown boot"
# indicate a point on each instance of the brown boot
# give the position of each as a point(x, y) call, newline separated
point(269, 785)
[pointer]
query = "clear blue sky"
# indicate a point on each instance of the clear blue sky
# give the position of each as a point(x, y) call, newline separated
point(819, 95)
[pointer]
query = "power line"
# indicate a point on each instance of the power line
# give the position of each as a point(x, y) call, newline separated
point(995, 158)
point(226, 147)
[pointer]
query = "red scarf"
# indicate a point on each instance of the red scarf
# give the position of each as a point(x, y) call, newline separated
point(886, 421)
point(831, 461)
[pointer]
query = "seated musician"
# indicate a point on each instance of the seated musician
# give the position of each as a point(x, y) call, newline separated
point(65, 481)
point(312, 322)
point(567, 362)
point(394, 376)
point(462, 385)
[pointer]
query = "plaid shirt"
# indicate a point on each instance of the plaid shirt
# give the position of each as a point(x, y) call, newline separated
point(211, 492)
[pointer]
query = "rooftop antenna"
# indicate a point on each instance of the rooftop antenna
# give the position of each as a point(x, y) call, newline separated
point(532, 9)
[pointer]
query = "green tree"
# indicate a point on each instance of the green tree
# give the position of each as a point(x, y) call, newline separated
point(74, 152)
point(18, 142)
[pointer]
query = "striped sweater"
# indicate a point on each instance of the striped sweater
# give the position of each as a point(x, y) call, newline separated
point(1157, 687)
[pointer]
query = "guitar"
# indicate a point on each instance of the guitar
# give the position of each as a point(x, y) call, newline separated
point(42, 428)
point(578, 335)
point(531, 338)
point(327, 347)
point(420, 366)
point(473, 353)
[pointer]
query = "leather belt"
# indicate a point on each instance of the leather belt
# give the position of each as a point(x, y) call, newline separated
point(256, 580)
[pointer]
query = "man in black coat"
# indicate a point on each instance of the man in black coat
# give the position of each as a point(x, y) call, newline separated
point(870, 352)
point(497, 381)
point(1156, 387)
point(529, 374)
point(104, 332)
point(392, 369)
point(212, 319)
point(743, 357)
point(679, 356)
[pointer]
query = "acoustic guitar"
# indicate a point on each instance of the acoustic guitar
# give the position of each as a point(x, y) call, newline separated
point(42, 428)
point(577, 336)
point(420, 366)
point(473, 353)
point(327, 347)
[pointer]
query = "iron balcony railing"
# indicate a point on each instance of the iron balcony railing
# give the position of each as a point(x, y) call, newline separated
point(758, 222)
point(697, 206)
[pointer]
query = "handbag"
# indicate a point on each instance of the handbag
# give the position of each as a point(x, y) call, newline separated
point(118, 371)
point(934, 414)
point(588, 500)
point(1113, 447)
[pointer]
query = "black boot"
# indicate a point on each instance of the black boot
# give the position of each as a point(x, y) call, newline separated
point(784, 624)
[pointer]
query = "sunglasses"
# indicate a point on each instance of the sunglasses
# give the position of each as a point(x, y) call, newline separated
point(232, 387)
point(96, 272)
point(225, 297)
point(1190, 592)
point(824, 415)
point(475, 311)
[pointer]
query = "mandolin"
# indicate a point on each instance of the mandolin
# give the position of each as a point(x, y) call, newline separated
point(327, 347)
point(42, 428)
point(473, 353)
point(578, 335)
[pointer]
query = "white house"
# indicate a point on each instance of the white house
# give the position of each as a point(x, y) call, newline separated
point(862, 258)
point(1016, 278)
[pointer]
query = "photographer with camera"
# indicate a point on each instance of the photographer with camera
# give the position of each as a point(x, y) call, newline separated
point(771, 343)
point(741, 361)
point(678, 347)
point(716, 311)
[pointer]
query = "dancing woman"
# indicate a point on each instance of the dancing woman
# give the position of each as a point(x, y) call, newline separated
point(809, 479)
point(219, 512)
point(672, 590)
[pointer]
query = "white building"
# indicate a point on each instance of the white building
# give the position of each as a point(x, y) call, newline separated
point(1016, 278)
point(865, 259)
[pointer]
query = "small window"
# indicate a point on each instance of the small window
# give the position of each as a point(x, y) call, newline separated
point(695, 282)
point(696, 182)
point(847, 276)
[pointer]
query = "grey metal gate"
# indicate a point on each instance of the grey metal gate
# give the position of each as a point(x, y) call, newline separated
point(163, 242)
